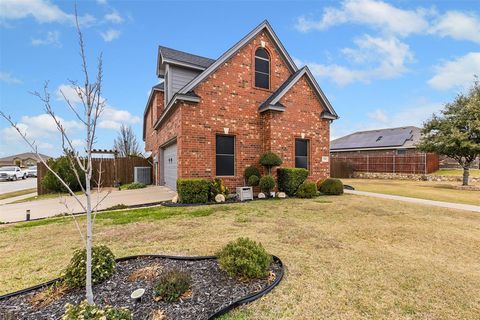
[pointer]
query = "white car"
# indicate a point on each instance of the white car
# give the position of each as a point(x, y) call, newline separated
point(12, 173)
point(32, 171)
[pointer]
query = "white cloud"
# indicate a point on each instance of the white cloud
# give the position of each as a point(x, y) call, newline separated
point(69, 93)
point(9, 78)
point(51, 38)
point(41, 129)
point(377, 14)
point(378, 115)
point(458, 25)
point(373, 58)
point(110, 35)
point(41, 10)
point(102, 2)
point(456, 73)
point(113, 17)
point(413, 114)
point(112, 118)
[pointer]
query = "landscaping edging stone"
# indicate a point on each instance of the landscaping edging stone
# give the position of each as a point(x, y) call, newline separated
point(277, 265)
point(409, 176)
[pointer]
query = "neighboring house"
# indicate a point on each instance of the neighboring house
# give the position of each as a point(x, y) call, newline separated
point(382, 144)
point(213, 118)
point(22, 160)
point(388, 141)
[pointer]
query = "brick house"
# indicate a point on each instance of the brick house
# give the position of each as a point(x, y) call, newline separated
point(213, 118)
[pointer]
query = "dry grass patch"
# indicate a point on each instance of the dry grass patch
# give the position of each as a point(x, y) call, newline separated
point(353, 258)
point(147, 273)
point(48, 295)
point(430, 190)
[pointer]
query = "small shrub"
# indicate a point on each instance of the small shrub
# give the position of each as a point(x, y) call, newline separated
point(103, 266)
point(244, 258)
point(289, 179)
point(267, 184)
point(253, 181)
point(195, 190)
point(332, 187)
point(172, 285)
point(251, 171)
point(307, 190)
point(217, 187)
point(269, 160)
point(86, 311)
point(133, 185)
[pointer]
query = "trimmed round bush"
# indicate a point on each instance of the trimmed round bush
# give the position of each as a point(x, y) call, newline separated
point(270, 159)
point(87, 311)
point(251, 171)
point(244, 258)
point(331, 187)
point(289, 179)
point(307, 189)
point(267, 183)
point(103, 266)
point(172, 285)
point(253, 181)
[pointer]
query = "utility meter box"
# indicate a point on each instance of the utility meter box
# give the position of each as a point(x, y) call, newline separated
point(245, 193)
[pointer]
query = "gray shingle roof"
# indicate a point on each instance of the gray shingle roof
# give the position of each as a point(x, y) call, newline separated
point(403, 137)
point(280, 89)
point(185, 57)
point(25, 155)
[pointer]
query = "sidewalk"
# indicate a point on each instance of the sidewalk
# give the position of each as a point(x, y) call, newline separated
point(13, 199)
point(14, 212)
point(442, 204)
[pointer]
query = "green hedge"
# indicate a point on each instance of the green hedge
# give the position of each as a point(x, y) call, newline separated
point(194, 190)
point(331, 186)
point(290, 179)
point(307, 189)
point(63, 168)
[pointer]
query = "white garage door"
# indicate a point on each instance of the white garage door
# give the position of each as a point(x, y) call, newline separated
point(170, 166)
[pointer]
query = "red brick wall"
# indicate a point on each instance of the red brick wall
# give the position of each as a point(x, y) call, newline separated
point(301, 115)
point(229, 100)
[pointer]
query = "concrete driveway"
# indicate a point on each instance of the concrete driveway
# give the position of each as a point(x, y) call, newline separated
point(11, 186)
point(50, 207)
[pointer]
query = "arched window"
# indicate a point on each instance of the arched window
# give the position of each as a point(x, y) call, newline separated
point(262, 69)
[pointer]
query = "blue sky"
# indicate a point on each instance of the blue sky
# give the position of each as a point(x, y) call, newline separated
point(381, 64)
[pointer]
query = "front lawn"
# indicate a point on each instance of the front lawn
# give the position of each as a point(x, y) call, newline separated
point(346, 257)
point(474, 173)
point(430, 190)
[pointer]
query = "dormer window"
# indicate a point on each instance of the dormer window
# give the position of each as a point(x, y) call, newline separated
point(262, 69)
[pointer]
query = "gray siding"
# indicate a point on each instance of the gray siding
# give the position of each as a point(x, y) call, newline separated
point(179, 77)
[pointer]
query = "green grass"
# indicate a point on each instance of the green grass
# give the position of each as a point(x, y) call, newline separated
point(17, 193)
point(474, 173)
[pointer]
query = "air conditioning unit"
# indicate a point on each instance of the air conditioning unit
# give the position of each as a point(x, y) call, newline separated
point(142, 175)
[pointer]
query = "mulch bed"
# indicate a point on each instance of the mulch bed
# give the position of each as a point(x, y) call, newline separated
point(212, 289)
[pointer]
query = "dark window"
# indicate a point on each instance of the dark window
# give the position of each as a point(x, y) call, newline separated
point(262, 69)
point(225, 155)
point(301, 153)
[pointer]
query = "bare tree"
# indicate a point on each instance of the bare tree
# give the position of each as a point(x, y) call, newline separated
point(93, 104)
point(126, 143)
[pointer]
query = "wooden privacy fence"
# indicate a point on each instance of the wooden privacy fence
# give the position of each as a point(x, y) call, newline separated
point(112, 170)
point(421, 163)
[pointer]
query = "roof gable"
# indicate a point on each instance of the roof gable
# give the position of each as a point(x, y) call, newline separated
point(230, 52)
point(272, 103)
point(181, 58)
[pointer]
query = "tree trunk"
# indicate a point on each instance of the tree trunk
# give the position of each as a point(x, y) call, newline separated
point(466, 173)
point(88, 194)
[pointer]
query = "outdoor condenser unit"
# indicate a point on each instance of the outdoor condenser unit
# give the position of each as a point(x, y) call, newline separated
point(142, 175)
